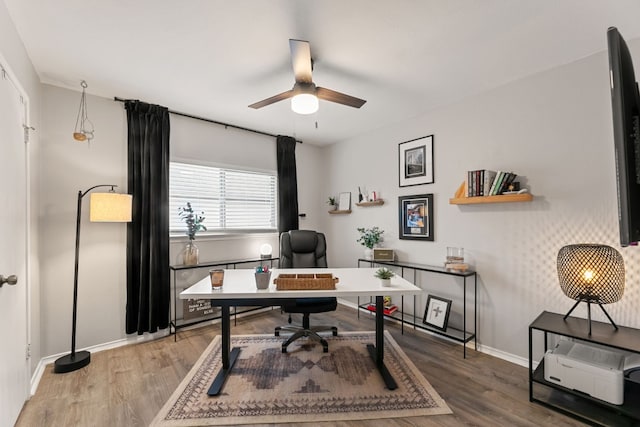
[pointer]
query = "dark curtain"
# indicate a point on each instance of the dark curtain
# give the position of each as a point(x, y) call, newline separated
point(287, 184)
point(148, 279)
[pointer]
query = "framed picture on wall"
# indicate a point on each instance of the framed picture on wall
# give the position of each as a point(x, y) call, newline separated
point(436, 314)
point(415, 158)
point(416, 217)
point(344, 201)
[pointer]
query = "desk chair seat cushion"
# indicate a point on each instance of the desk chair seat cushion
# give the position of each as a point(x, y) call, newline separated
point(310, 305)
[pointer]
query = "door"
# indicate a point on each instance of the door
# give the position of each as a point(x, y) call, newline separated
point(14, 372)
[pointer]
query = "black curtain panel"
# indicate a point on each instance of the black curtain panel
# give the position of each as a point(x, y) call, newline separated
point(287, 184)
point(148, 279)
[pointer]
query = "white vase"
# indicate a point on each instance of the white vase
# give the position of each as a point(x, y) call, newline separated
point(385, 282)
point(368, 253)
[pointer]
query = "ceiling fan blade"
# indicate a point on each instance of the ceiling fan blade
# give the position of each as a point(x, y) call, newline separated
point(279, 97)
point(340, 98)
point(301, 60)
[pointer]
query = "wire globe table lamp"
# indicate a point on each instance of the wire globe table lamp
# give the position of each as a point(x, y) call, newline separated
point(593, 274)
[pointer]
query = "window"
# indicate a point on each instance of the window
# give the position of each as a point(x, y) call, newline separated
point(232, 200)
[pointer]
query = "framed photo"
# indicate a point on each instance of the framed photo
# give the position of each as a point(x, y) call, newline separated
point(416, 161)
point(344, 201)
point(416, 217)
point(436, 314)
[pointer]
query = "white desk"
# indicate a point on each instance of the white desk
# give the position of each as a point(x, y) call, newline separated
point(239, 289)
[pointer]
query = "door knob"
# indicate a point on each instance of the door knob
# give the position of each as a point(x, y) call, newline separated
point(12, 280)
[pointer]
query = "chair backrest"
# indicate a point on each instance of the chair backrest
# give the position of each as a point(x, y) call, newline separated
point(302, 249)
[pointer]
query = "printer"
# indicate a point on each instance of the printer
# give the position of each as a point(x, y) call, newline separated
point(588, 369)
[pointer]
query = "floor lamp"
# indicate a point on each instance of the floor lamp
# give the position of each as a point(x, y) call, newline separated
point(103, 207)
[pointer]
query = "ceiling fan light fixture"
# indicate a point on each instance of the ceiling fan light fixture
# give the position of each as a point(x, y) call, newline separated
point(304, 103)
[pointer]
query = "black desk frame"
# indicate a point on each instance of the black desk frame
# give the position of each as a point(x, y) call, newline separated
point(465, 337)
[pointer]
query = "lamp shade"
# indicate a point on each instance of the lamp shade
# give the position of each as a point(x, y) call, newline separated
point(110, 207)
point(591, 273)
point(304, 103)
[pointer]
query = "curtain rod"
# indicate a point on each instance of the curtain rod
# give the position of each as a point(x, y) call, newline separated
point(177, 113)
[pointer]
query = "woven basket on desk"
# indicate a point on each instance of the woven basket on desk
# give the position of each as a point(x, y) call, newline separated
point(319, 281)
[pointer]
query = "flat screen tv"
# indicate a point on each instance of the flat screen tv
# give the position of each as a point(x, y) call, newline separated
point(625, 102)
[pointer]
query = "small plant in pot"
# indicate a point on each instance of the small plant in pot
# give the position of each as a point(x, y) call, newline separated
point(369, 238)
point(385, 275)
point(332, 202)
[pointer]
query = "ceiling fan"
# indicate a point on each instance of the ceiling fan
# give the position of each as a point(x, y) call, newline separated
point(305, 93)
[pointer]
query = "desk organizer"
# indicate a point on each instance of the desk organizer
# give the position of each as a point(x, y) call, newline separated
point(319, 281)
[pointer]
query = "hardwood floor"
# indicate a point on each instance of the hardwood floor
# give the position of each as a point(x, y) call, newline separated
point(126, 386)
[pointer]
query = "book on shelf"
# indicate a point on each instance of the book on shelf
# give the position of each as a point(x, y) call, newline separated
point(389, 310)
point(485, 182)
point(489, 176)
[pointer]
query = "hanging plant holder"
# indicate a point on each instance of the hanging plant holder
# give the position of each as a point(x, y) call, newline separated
point(84, 128)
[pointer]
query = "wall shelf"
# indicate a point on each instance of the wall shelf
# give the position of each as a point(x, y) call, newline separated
point(378, 202)
point(502, 198)
point(337, 212)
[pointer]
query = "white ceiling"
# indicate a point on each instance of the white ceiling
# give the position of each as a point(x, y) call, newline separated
point(212, 58)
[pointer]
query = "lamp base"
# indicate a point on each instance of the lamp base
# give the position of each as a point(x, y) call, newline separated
point(589, 313)
point(70, 363)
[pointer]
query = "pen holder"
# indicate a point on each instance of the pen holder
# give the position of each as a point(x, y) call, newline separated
point(262, 280)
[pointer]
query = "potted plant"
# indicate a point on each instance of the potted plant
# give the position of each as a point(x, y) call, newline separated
point(332, 202)
point(385, 275)
point(369, 237)
point(195, 223)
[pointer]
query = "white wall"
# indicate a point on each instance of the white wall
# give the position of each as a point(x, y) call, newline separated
point(12, 49)
point(554, 130)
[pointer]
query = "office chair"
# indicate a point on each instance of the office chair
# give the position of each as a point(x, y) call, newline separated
point(305, 249)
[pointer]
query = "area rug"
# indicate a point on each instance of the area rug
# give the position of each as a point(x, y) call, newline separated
point(305, 384)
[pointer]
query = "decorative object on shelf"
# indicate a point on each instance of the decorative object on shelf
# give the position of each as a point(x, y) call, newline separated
point(360, 196)
point(416, 217)
point(369, 237)
point(593, 274)
point(103, 207)
point(455, 259)
point(344, 201)
point(263, 277)
point(265, 251)
point(84, 127)
point(195, 223)
point(381, 254)
point(437, 312)
point(416, 161)
point(333, 203)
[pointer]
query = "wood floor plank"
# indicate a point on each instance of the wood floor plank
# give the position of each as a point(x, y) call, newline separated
point(127, 386)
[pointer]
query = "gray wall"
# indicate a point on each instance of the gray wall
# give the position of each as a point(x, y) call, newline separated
point(554, 130)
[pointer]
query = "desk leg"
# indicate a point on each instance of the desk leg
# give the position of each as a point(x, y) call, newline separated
point(377, 352)
point(228, 357)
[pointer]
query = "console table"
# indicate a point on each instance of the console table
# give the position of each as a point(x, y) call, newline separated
point(463, 335)
point(574, 403)
point(230, 264)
